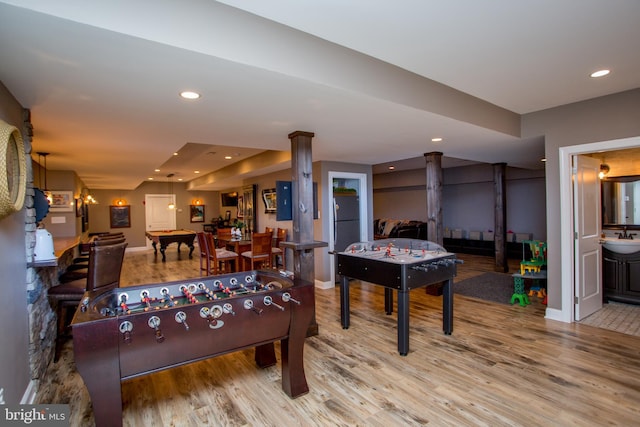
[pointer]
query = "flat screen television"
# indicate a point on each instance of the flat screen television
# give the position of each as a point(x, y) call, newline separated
point(229, 199)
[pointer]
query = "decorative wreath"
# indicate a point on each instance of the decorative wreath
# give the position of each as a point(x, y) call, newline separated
point(13, 182)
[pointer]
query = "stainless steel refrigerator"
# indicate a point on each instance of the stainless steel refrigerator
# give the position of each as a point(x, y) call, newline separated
point(346, 217)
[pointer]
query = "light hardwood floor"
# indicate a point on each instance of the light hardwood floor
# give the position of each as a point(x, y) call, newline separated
point(503, 365)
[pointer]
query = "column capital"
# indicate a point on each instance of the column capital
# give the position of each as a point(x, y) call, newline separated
point(433, 153)
point(298, 133)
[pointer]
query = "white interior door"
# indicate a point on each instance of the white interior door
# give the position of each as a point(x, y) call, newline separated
point(157, 214)
point(587, 226)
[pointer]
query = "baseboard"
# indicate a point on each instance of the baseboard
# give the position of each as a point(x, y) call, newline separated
point(137, 249)
point(29, 396)
point(324, 285)
point(554, 314)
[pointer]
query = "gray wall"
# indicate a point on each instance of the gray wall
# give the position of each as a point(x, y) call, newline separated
point(99, 214)
point(14, 333)
point(468, 200)
point(601, 119)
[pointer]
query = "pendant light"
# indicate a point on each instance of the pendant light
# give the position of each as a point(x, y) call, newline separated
point(42, 155)
point(172, 204)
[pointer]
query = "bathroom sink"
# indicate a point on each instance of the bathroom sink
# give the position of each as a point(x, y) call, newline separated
point(621, 246)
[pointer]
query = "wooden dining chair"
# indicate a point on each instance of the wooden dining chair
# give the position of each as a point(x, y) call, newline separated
point(276, 250)
point(220, 259)
point(105, 266)
point(205, 260)
point(224, 235)
point(260, 253)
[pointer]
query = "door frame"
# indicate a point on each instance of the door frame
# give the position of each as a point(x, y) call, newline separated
point(147, 200)
point(363, 203)
point(567, 249)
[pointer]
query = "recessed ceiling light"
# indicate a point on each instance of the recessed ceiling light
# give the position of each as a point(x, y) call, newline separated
point(156, 170)
point(227, 157)
point(544, 159)
point(436, 139)
point(187, 94)
point(196, 171)
point(175, 154)
point(392, 168)
point(150, 178)
point(600, 73)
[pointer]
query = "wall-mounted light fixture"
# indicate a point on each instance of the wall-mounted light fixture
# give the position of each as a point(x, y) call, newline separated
point(197, 201)
point(87, 198)
point(604, 170)
point(120, 202)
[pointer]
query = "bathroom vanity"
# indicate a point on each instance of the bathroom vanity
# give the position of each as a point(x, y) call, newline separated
point(621, 276)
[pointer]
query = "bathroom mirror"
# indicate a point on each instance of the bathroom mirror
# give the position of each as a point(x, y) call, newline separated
point(621, 201)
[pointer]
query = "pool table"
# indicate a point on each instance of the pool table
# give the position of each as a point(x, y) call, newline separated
point(166, 237)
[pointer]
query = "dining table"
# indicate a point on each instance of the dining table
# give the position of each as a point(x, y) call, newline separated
point(238, 245)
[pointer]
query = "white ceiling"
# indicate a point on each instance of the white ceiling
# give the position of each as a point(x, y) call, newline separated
point(374, 80)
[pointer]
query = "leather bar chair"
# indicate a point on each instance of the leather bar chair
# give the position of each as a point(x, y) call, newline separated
point(220, 258)
point(105, 266)
point(80, 270)
point(260, 253)
point(84, 247)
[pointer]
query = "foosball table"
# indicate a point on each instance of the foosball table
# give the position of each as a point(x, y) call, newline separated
point(138, 330)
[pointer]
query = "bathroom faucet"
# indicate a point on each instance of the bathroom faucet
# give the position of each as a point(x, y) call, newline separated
point(625, 235)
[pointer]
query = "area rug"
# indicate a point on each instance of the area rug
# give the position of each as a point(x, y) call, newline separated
point(496, 287)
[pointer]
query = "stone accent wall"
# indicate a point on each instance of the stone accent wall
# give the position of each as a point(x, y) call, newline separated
point(42, 319)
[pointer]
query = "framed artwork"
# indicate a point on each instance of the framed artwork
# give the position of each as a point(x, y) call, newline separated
point(197, 213)
point(240, 207)
point(227, 216)
point(269, 199)
point(79, 210)
point(61, 201)
point(120, 216)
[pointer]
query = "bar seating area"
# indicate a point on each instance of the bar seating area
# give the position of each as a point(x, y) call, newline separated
point(104, 267)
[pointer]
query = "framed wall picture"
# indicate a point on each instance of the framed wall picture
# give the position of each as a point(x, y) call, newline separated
point(120, 216)
point(269, 199)
point(79, 207)
point(240, 207)
point(61, 201)
point(197, 213)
